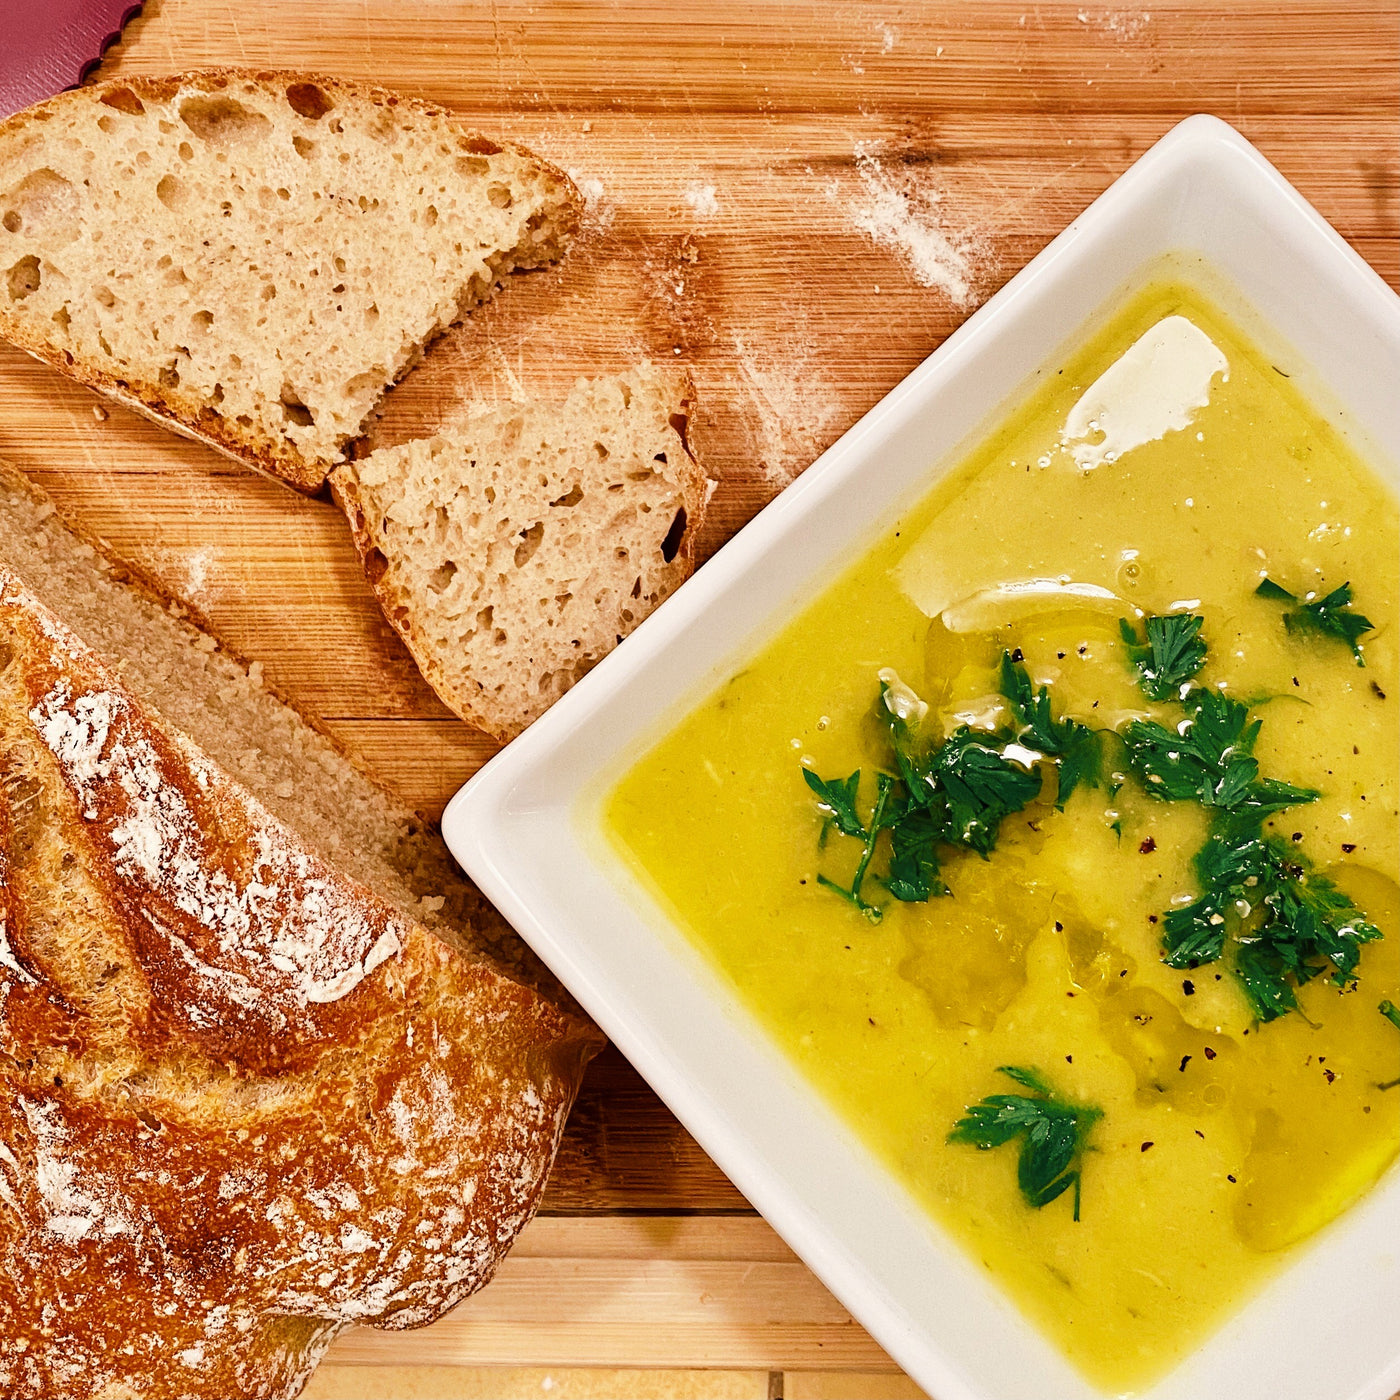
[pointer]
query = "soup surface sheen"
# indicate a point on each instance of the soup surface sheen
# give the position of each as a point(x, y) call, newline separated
point(1223, 1141)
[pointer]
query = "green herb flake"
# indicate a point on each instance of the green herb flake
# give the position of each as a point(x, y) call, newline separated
point(1077, 747)
point(837, 798)
point(1173, 652)
point(1053, 1132)
point(914, 841)
point(1288, 922)
point(1391, 1012)
point(982, 786)
point(1330, 616)
point(1208, 758)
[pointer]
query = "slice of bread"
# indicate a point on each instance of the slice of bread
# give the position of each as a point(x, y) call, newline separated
point(247, 1102)
point(252, 258)
point(516, 551)
point(168, 657)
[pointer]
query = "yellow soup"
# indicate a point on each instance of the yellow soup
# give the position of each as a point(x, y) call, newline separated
point(1165, 470)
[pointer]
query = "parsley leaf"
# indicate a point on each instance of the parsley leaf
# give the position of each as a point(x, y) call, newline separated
point(1195, 933)
point(837, 798)
point(914, 841)
point(1290, 923)
point(1054, 1133)
point(1264, 983)
point(1312, 922)
point(1325, 617)
point(1076, 746)
point(981, 786)
point(1391, 1012)
point(1028, 1079)
point(1173, 653)
point(1208, 758)
point(1270, 795)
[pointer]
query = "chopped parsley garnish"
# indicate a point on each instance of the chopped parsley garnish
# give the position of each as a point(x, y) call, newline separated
point(1331, 616)
point(979, 786)
point(1053, 1134)
point(1288, 922)
point(1208, 758)
point(1171, 655)
point(955, 793)
point(1077, 747)
point(1260, 905)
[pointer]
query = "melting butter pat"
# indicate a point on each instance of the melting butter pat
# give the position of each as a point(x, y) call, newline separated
point(1152, 389)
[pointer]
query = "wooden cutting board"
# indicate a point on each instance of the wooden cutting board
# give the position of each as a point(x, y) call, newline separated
point(799, 201)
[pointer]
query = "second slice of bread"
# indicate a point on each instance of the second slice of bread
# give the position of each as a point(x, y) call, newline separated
point(514, 552)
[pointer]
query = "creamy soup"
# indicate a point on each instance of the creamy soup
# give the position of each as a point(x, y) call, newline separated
point(1165, 472)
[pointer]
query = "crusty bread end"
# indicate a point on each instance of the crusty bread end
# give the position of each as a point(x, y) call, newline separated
point(169, 656)
point(246, 1101)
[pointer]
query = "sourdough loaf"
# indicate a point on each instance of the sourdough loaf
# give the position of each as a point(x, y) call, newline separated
point(253, 257)
point(512, 553)
point(248, 1101)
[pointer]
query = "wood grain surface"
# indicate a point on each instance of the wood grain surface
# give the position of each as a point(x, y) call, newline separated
point(799, 201)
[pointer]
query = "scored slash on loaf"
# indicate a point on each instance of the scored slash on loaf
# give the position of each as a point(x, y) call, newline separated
point(253, 258)
point(248, 1102)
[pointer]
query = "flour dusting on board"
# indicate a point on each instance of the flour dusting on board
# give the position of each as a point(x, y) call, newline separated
point(702, 199)
point(902, 214)
point(598, 210)
point(1122, 24)
point(792, 407)
point(197, 571)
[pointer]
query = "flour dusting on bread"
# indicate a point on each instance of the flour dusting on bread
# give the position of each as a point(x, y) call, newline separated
point(286, 918)
point(294, 770)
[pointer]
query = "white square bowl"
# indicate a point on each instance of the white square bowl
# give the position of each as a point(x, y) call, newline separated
point(527, 827)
